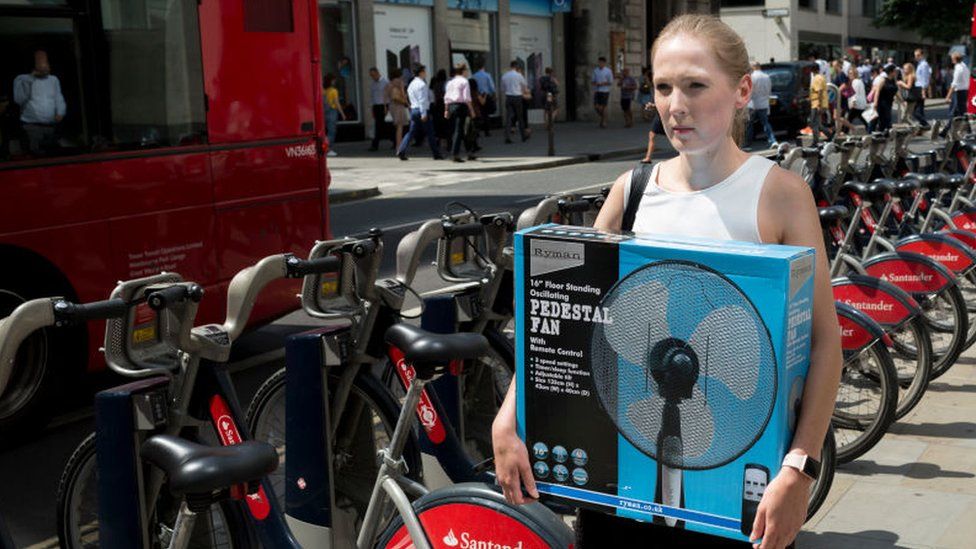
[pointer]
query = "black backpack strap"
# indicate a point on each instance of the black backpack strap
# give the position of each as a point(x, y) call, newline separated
point(638, 182)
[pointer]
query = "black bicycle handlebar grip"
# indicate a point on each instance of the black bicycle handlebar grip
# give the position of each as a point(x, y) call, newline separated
point(160, 299)
point(452, 230)
point(570, 206)
point(67, 312)
point(360, 248)
point(299, 268)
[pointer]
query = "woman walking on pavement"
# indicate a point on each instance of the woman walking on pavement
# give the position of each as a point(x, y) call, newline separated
point(396, 98)
point(711, 189)
point(333, 111)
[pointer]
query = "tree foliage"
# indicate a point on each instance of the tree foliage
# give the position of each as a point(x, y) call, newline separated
point(937, 20)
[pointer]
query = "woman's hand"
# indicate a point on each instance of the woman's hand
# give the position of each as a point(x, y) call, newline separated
point(512, 469)
point(782, 510)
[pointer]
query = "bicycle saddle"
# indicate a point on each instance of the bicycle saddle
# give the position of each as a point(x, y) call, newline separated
point(810, 152)
point(906, 186)
point(429, 353)
point(954, 181)
point(197, 469)
point(874, 190)
point(969, 147)
point(830, 214)
point(932, 181)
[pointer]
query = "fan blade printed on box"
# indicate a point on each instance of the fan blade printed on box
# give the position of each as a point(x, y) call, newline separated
point(686, 370)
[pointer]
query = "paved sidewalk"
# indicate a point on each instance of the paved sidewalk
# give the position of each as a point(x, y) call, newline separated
point(358, 173)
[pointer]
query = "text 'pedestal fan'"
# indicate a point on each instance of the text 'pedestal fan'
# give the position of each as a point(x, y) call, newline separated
point(686, 370)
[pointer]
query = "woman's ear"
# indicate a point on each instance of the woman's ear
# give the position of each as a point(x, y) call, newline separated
point(743, 91)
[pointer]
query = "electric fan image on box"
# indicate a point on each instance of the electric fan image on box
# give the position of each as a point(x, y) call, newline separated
point(686, 371)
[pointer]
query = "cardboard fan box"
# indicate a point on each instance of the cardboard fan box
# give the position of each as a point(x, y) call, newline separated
point(658, 378)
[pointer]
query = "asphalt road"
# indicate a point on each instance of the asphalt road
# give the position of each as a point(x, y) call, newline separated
point(29, 472)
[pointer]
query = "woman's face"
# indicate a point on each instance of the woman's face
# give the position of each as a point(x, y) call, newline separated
point(693, 94)
point(851, 73)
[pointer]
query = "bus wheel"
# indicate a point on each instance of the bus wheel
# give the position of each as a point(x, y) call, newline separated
point(39, 367)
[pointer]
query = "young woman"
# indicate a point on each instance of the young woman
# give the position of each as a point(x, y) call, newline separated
point(714, 189)
point(333, 111)
point(885, 90)
point(858, 101)
point(906, 89)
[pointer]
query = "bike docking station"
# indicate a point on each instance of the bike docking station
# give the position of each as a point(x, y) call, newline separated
point(659, 378)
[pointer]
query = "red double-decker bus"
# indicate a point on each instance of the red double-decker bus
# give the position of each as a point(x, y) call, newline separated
point(138, 136)
point(971, 103)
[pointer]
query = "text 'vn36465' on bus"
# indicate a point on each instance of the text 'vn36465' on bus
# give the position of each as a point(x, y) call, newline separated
point(139, 136)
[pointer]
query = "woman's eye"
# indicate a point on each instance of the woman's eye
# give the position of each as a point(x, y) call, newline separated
point(663, 88)
point(698, 85)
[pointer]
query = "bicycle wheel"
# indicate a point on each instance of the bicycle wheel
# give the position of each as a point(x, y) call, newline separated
point(365, 428)
point(912, 357)
point(828, 466)
point(967, 287)
point(475, 515)
point(77, 509)
point(866, 401)
point(948, 323)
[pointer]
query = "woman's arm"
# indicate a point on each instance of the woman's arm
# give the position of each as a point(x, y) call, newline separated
point(788, 215)
point(612, 212)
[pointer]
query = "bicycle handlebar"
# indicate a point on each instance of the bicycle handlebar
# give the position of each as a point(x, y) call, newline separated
point(574, 206)
point(178, 293)
point(455, 230)
point(299, 268)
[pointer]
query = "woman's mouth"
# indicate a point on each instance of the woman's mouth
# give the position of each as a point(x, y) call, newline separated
point(682, 130)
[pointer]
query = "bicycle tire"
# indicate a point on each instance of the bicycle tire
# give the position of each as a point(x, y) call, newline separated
point(80, 475)
point(956, 306)
point(477, 504)
point(353, 477)
point(872, 423)
point(913, 365)
point(828, 467)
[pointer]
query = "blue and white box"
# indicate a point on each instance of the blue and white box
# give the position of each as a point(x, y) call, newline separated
point(658, 378)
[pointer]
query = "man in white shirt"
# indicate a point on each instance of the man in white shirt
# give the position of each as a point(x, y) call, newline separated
point(602, 81)
point(514, 85)
point(762, 88)
point(42, 106)
point(923, 77)
point(959, 89)
point(377, 89)
point(419, 97)
point(458, 107)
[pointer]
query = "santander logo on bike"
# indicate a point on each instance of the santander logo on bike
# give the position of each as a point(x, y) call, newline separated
point(866, 306)
point(915, 277)
point(466, 541)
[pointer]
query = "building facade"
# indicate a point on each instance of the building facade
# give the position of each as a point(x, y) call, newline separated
point(783, 30)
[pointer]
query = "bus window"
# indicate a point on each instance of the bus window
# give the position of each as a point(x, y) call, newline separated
point(153, 76)
point(41, 110)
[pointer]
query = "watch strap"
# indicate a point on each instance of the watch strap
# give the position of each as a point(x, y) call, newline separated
point(803, 463)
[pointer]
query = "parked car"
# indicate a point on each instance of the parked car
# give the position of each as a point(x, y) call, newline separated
point(789, 104)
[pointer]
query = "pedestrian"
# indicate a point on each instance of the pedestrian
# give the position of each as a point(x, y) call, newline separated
point(333, 110)
point(645, 93)
point(550, 87)
point(910, 93)
point(712, 189)
point(628, 89)
point(923, 79)
point(513, 83)
point(884, 97)
point(818, 104)
point(864, 72)
point(399, 105)
point(458, 109)
point(959, 87)
point(657, 128)
point(857, 101)
point(527, 101)
point(380, 107)
point(420, 121)
point(42, 106)
point(602, 80)
point(471, 131)
point(442, 128)
point(762, 88)
point(486, 85)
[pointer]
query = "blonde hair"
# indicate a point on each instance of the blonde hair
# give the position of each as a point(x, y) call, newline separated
point(726, 45)
point(908, 69)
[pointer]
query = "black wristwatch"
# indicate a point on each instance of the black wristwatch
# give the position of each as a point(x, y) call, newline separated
point(804, 464)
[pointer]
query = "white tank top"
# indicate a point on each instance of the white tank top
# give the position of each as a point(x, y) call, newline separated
point(728, 210)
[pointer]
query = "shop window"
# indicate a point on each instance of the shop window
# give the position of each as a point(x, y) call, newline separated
point(472, 41)
point(153, 76)
point(832, 6)
point(808, 4)
point(268, 16)
point(742, 3)
point(869, 8)
point(337, 39)
point(41, 110)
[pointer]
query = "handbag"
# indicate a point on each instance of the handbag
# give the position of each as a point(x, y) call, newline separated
point(388, 118)
point(869, 114)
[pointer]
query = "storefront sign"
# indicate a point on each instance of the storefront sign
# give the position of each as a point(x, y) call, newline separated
point(403, 37)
